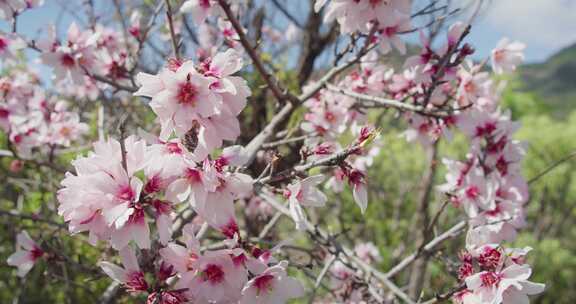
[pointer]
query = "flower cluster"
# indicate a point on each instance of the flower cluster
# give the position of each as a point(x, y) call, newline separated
point(496, 275)
point(386, 19)
point(199, 102)
point(232, 275)
point(32, 118)
point(133, 194)
point(11, 8)
point(491, 190)
point(345, 281)
point(85, 54)
point(122, 186)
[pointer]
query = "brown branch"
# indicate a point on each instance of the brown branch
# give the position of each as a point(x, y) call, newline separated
point(369, 271)
point(422, 222)
point(384, 102)
point(13, 213)
point(333, 160)
point(172, 32)
point(552, 167)
point(112, 83)
point(426, 249)
point(268, 78)
point(286, 13)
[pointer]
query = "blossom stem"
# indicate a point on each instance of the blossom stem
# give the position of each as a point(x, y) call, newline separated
point(172, 32)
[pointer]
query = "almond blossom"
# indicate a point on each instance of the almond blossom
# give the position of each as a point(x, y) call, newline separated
point(130, 276)
point(202, 105)
point(71, 58)
point(34, 120)
point(304, 193)
point(272, 286)
point(368, 252)
point(216, 279)
point(509, 285)
point(10, 44)
point(212, 191)
point(199, 9)
point(26, 255)
point(9, 8)
point(354, 15)
point(390, 29)
point(183, 259)
point(507, 55)
point(104, 197)
point(177, 96)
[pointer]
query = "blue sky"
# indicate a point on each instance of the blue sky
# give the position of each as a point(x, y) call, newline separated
point(545, 26)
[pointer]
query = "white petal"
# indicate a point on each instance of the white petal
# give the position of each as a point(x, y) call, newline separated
point(360, 196)
point(115, 272)
point(129, 259)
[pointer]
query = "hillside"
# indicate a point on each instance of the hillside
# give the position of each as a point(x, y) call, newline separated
point(554, 80)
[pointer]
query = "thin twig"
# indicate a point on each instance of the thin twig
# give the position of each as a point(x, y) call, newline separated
point(324, 271)
point(448, 234)
point(368, 270)
point(285, 141)
point(380, 101)
point(552, 167)
point(268, 78)
point(172, 32)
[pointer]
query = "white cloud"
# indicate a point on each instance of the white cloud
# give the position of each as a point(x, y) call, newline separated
point(540, 23)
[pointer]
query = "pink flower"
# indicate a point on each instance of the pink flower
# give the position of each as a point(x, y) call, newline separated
point(179, 97)
point(166, 297)
point(510, 285)
point(507, 55)
point(10, 44)
point(388, 32)
point(326, 116)
point(352, 15)
point(163, 219)
point(368, 252)
point(336, 181)
point(217, 278)
point(357, 15)
point(230, 36)
point(64, 128)
point(130, 276)
point(472, 87)
point(271, 286)
point(9, 7)
point(233, 89)
point(184, 259)
point(27, 253)
point(343, 282)
point(477, 125)
point(212, 192)
point(199, 9)
point(135, 24)
point(70, 59)
point(166, 161)
point(104, 198)
point(304, 193)
point(455, 32)
point(357, 180)
point(477, 192)
point(465, 297)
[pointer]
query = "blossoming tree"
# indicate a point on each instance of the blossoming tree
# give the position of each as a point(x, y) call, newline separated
point(171, 139)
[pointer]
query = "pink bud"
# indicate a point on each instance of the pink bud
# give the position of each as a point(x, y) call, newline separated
point(16, 166)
